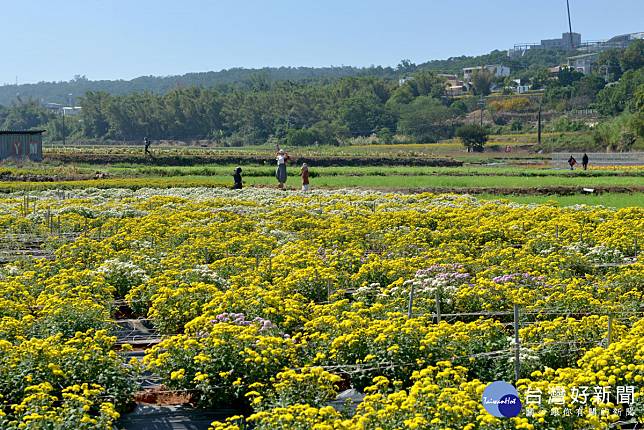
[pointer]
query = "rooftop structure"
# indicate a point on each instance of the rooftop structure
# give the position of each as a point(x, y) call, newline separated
point(564, 43)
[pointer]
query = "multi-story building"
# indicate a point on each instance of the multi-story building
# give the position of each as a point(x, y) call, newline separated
point(585, 63)
point(568, 42)
point(497, 70)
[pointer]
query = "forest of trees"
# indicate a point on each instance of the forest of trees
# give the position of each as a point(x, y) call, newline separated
point(58, 92)
point(330, 110)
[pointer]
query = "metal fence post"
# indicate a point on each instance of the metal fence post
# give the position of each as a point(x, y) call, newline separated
point(411, 301)
point(517, 362)
point(635, 246)
point(438, 307)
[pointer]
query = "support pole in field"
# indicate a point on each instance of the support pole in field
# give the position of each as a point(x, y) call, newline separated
point(411, 301)
point(517, 363)
point(610, 329)
point(635, 246)
point(557, 231)
point(438, 307)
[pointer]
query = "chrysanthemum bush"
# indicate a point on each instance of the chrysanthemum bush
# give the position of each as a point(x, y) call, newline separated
point(44, 382)
point(222, 357)
point(394, 345)
point(444, 396)
point(312, 386)
point(75, 407)
point(619, 364)
point(441, 396)
point(268, 297)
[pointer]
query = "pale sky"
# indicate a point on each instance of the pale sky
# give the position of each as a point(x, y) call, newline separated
point(48, 40)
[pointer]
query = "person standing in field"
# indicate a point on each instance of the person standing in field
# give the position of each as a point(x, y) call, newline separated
point(237, 178)
point(147, 142)
point(572, 162)
point(304, 173)
point(280, 172)
point(584, 161)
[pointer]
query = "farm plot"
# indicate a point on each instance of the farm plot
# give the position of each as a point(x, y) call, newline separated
point(268, 304)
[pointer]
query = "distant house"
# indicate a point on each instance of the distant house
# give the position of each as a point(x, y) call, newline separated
point(517, 87)
point(456, 89)
point(21, 145)
point(497, 70)
point(61, 109)
point(554, 71)
point(72, 110)
point(522, 89)
point(53, 106)
point(584, 63)
point(453, 86)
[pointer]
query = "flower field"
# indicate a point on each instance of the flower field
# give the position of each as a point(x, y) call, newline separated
point(272, 303)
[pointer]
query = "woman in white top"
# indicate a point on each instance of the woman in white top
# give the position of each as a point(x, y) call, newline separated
point(280, 173)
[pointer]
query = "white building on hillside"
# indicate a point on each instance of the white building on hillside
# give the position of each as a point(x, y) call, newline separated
point(497, 70)
point(585, 63)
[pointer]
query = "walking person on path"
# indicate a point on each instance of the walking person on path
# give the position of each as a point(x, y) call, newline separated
point(280, 172)
point(304, 173)
point(584, 161)
point(572, 162)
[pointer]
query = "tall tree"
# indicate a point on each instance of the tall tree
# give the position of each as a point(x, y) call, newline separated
point(426, 119)
point(482, 82)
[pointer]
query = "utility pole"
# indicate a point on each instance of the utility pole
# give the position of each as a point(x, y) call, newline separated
point(539, 126)
point(63, 125)
point(572, 43)
point(481, 105)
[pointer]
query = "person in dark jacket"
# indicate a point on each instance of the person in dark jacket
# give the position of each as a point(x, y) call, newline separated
point(572, 162)
point(147, 144)
point(237, 177)
point(584, 161)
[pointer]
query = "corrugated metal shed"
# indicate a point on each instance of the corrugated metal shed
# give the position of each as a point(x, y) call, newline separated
point(21, 144)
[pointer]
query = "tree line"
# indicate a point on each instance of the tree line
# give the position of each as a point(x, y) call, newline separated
point(59, 92)
point(327, 112)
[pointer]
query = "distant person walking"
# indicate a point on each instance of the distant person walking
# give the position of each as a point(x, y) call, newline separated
point(572, 162)
point(237, 178)
point(304, 173)
point(584, 161)
point(147, 143)
point(280, 172)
